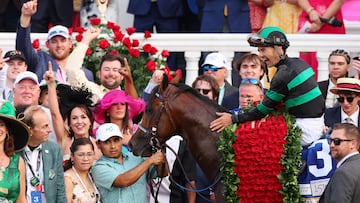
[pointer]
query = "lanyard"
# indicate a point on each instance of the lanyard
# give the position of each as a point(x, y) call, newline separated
point(37, 163)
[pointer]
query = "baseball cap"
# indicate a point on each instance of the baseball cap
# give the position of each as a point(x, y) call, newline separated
point(15, 54)
point(107, 130)
point(215, 59)
point(58, 30)
point(26, 75)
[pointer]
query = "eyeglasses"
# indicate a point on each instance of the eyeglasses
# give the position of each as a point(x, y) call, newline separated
point(211, 67)
point(83, 155)
point(337, 141)
point(348, 99)
point(204, 91)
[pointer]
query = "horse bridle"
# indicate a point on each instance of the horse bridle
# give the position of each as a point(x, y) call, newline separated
point(154, 141)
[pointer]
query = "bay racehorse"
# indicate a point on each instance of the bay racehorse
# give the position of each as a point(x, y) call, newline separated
point(179, 109)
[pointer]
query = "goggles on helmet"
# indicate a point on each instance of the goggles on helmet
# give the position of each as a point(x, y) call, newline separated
point(255, 40)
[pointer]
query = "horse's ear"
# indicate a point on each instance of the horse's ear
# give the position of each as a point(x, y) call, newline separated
point(164, 84)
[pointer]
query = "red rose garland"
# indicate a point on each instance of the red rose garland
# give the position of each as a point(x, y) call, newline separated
point(258, 150)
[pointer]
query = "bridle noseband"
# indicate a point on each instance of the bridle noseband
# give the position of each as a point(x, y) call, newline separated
point(154, 141)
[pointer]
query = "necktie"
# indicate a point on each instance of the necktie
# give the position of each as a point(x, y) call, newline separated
point(11, 96)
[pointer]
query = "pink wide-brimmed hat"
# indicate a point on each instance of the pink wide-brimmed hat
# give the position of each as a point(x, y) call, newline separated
point(135, 106)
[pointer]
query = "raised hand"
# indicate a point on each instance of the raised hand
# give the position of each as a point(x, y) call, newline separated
point(2, 61)
point(126, 71)
point(29, 8)
point(49, 75)
point(91, 34)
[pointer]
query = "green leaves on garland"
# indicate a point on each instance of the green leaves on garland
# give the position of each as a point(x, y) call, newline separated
point(289, 161)
point(227, 164)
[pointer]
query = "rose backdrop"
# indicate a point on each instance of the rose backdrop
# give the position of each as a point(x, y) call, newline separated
point(143, 58)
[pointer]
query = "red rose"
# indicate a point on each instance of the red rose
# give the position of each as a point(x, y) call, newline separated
point(153, 50)
point(166, 69)
point(88, 52)
point(135, 43)
point(114, 53)
point(70, 31)
point(134, 52)
point(79, 30)
point(130, 30)
point(165, 53)
point(147, 34)
point(147, 48)
point(78, 37)
point(116, 28)
point(36, 44)
point(110, 25)
point(118, 36)
point(151, 65)
point(127, 42)
point(95, 21)
point(179, 72)
point(104, 44)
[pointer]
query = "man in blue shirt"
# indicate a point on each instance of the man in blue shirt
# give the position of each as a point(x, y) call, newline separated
point(121, 176)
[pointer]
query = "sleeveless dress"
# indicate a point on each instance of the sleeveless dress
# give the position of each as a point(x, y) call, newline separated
point(80, 195)
point(10, 184)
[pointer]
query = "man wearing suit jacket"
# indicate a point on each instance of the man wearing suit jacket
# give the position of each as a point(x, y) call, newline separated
point(215, 65)
point(44, 171)
point(162, 13)
point(59, 44)
point(56, 12)
point(338, 66)
point(347, 91)
point(9, 15)
point(344, 185)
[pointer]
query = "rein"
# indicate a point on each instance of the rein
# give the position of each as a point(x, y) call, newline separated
point(154, 143)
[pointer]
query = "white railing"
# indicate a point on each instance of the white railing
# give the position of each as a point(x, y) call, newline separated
point(193, 44)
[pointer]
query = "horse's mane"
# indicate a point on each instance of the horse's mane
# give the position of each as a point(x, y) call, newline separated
point(185, 88)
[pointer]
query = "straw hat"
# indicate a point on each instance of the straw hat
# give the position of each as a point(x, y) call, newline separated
point(19, 130)
point(346, 84)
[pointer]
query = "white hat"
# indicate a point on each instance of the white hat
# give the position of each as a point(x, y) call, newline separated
point(58, 30)
point(26, 75)
point(107, 130)
point(215, 59)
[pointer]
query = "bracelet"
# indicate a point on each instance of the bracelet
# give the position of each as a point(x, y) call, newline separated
point(309, 10)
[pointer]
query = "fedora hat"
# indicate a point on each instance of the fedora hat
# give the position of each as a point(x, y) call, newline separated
point(19, 130)
point(346, 84)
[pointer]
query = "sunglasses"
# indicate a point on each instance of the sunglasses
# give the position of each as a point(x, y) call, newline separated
point(348, 99)
point(210, 67)
point(337, 141)
point(204, 91)
point(250, 80)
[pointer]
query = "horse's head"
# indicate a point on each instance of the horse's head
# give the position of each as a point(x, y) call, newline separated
point(157, 124)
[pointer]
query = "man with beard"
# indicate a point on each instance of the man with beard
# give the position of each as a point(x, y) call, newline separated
point(58, 42)
point(294, 84)
point(113, 69)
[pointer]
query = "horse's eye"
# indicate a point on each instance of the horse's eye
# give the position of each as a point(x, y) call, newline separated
point(149, 110)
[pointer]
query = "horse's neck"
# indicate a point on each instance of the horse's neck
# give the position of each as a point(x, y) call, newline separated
point(203, 147)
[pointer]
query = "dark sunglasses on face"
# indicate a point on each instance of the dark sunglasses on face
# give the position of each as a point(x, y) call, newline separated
point(337, 141)
point(204, 91)
point(348, 99)
point(210, 67)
